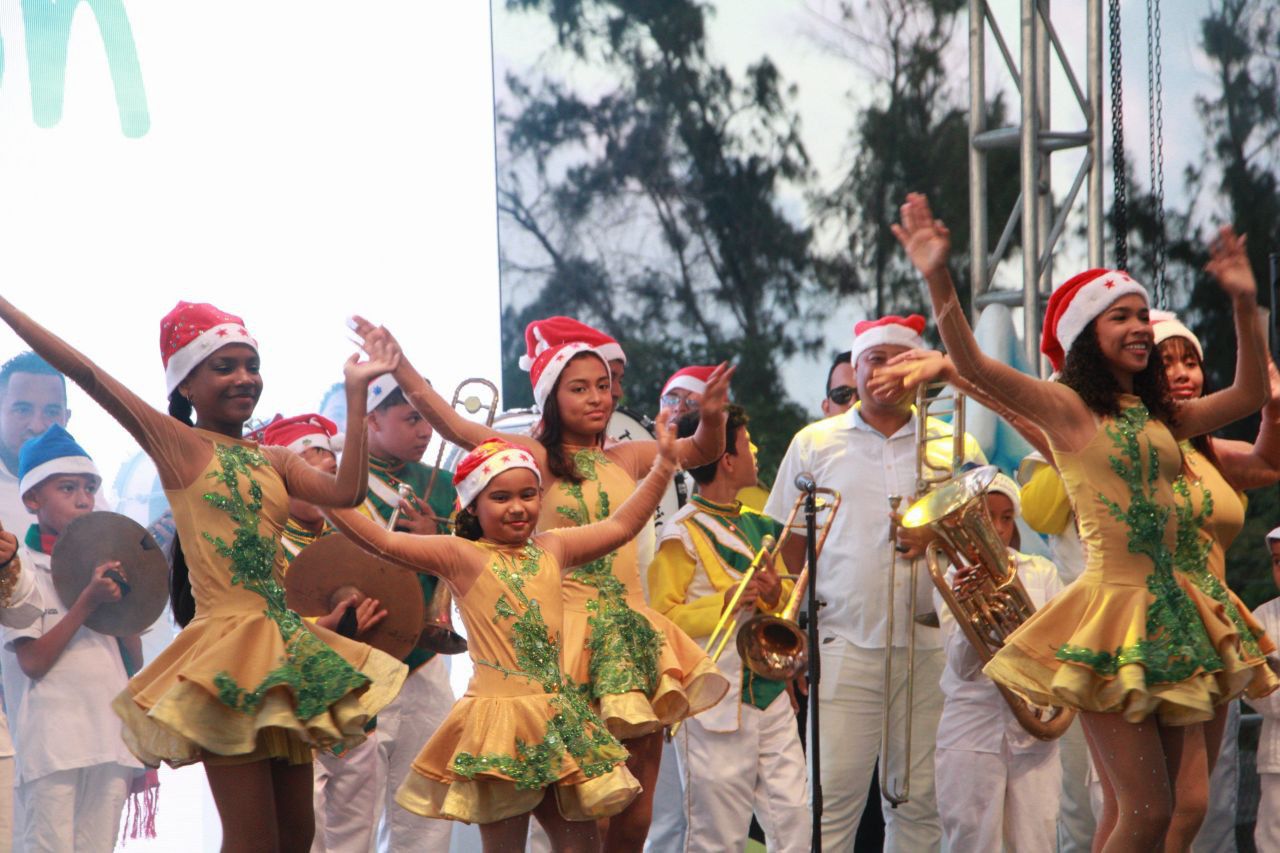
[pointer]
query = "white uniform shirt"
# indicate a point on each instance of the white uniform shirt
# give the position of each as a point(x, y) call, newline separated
point(846, 454)
point(14, 514)
point(975, 716)
point(63, 721)
point(1269, 707)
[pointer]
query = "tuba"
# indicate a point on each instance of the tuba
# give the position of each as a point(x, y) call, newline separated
point(989, 602)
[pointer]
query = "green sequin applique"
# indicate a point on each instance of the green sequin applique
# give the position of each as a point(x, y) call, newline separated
point(623, 646)
point(1177, 644)
point(316, 674)
point(574, 728)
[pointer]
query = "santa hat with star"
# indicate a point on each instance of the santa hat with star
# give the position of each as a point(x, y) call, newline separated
point(692, 379)
point(304, 432)
point(895, 330)
point(49, 454)
point(1076, 303)
point(190, 333)
point(542, 335)
point(548, 366)
point(1165, 325)
point(486, 461)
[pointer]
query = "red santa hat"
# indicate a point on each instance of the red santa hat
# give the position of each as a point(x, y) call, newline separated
point(692, 379)
point(379, 389)
point(542, 335)
point(486, 461)
point(190, 333)
point(548, 366)
point(303, 432)
point(1165, 325)
point(1076, 303)
point(898, 331)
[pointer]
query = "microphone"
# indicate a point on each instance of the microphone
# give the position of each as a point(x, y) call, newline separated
point(805, 482)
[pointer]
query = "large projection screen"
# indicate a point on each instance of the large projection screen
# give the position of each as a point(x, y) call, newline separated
point(292, 161)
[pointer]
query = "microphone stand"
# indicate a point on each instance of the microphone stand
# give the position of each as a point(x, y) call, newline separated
point(815, 668)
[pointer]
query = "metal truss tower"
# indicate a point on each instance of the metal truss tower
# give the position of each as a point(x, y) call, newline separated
point(1039, 217)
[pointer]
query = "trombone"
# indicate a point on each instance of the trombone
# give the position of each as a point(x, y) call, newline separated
point(471, 404)
point(771, 646)
point(929, 475)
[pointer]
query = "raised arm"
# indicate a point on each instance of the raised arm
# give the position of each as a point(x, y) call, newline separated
point(1229, 264)
point(574, 546)
point(1052, 407)
point(455, 560)
point(705, 446)
point(179, 454)
point(443, 417)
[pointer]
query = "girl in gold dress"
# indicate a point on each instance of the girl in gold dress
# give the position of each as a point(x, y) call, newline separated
point(640, 671)
point(246, 687)
point(1145, 655)
point(521, 728)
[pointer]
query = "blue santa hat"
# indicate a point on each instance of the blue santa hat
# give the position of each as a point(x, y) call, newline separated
point(52, 452)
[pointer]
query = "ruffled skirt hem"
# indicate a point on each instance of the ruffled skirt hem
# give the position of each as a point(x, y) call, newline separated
point(487, 800)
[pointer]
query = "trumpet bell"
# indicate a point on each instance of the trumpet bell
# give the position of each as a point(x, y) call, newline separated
point(773, 648)
point(950, 497)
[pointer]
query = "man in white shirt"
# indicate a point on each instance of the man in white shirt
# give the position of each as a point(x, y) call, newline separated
point(869, 454)
point(997, 784)
point(33, 395)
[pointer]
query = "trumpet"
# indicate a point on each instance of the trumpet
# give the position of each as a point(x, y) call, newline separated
point(930, 474)
point(991, 603)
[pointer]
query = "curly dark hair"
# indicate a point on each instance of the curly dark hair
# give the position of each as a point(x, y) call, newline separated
point(550, 433)
point(467, 525)
point(1088, 373)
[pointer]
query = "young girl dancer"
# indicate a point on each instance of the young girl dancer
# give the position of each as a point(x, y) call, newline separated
point(246, 687)
point(521, 727)
point(642, 671)
point(1145, 655)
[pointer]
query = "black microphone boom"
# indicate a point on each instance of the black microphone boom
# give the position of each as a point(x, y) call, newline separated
point(805, 482)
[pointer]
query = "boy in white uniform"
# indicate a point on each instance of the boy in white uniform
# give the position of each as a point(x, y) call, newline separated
point(1266, 832)
point(997, 785)
point(73, 769)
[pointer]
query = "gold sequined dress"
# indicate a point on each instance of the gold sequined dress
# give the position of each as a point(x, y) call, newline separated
point(642, 670)
point(1146, 628)
point(247, 677)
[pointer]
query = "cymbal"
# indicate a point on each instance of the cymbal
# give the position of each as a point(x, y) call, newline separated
point(99, 537)
point(334, 564)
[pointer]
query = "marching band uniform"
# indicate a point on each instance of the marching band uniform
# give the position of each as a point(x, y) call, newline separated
point(73, 769)
point(424, 701)
point(246, 679)
point(521, 725)
point(1147, 628)
point(1047, 510)
point(997, 784)
point(744, 754)
point(847, 454)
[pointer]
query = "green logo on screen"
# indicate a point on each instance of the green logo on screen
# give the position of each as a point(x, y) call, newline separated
point(48, 29)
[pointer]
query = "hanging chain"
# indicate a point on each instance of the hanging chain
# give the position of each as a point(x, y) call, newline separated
point(1120, 206)
point(1155, 129)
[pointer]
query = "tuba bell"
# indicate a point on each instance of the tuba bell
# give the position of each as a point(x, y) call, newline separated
point(989, 603)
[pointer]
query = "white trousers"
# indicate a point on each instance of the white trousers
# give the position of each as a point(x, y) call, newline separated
point(727, 776)
point(6, 803)
point(404, 727)
point(1076, 822)
point(990, 801)
point(1266, 832)
point(346, 799)
point(73, 810)
point(354, 789)
point(852, 701)
point(666, 829)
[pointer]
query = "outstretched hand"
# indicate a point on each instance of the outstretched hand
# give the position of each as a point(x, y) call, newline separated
point(381, 349)
point(665, 428)
point(1229, 263)
point(906, 371)
point(926, 240)
point(716, 395)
